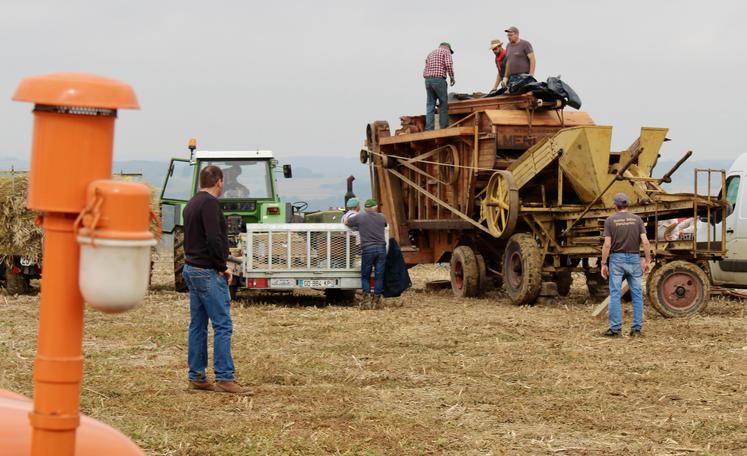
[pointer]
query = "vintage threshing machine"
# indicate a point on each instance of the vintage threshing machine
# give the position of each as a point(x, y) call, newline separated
point(517, 190)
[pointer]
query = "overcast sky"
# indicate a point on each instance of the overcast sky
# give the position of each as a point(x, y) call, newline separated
point(304, 78)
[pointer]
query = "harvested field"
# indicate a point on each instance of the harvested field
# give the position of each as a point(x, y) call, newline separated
point(429, 374)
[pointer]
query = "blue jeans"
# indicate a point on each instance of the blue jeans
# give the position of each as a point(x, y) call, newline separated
point(209, 298)
point(625, 266)
point(436, 88)
point(373, 257)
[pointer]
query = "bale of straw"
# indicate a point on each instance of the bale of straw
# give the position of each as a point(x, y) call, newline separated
point(19, 235)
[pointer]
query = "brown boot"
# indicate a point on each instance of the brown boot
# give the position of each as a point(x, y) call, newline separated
point(205, 385)
point(231, 387)
point(366, 301)
point(377, 302)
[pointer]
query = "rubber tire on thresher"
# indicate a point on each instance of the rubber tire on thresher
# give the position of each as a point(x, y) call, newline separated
point(522, 269)
point(482, 274)
point(564, 280)
point(339, 297)
point(179, 284)
point(15, 284)
point(675, 274)
point(465, 275)
point(598, 286)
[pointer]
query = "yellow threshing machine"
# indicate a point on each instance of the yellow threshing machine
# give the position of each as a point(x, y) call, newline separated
point(518, 190)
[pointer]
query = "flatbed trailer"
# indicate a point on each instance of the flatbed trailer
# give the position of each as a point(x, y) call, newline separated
point(517, 190)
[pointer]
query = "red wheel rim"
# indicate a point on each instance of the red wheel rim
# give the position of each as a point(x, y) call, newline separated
point(458, 275)
point(680, 290)
point(515, 270)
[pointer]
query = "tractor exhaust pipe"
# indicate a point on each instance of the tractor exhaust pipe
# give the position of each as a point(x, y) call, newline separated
point(349, 194)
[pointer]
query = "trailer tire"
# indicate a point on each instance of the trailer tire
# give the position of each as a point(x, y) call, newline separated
point(339, 296)
point(564, 280)
point(179, 284)
point(678, 289)
point(15, 284)
point(465, 275)
point(522, 269)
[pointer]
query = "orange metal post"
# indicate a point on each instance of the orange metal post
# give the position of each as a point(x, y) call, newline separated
point(73, 135)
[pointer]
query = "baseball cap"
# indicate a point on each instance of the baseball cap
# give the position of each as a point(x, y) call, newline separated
point(495, 43)
point(370, 203)
point(512, 29)
point(621, 200)
point(352, 202)
point(447, 45)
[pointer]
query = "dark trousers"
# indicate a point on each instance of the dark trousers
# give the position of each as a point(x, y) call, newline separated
point(373, 257)
point(436, 89)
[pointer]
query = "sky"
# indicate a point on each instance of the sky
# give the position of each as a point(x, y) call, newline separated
point(304, 78)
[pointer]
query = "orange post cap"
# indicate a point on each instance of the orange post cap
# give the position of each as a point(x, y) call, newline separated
point(76, 89)
point(117, 210)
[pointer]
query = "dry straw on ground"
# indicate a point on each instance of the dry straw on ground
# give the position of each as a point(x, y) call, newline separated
point(19, 235)
point(429, 374)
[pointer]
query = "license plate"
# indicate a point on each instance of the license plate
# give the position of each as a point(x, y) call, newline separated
point(317, 283)
point(282, 283)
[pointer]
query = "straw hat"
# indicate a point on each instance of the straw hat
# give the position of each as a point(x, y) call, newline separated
point(495, 43)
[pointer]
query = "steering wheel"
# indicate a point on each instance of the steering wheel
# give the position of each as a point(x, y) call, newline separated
point(299, 206)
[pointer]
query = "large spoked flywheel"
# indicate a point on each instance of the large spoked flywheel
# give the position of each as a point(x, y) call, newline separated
point(500, 207)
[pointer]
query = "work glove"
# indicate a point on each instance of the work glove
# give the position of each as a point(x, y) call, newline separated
point(453, 81)
point(504, 83)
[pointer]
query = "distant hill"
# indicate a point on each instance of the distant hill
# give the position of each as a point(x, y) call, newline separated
point(320, 180)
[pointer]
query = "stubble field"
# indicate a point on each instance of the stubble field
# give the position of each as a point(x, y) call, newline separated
point(428, 374)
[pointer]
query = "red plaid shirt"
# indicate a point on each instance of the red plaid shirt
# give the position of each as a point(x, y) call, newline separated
point(438, 64)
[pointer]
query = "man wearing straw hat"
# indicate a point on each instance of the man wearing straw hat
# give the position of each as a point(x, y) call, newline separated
point(496, 46)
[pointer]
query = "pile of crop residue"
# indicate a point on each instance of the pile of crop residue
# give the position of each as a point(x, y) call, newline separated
point(19, 235)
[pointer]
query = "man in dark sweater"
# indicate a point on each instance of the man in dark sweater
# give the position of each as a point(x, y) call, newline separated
point(208, 277)
point(371, 226)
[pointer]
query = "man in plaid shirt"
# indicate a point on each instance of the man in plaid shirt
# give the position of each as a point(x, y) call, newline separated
point(438, 64)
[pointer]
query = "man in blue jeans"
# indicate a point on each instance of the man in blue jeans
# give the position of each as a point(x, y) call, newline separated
point(438, 65)
point(207, 277)
point(624, 234)
point(371, 226)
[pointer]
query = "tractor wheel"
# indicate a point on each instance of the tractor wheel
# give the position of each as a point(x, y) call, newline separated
point(522, 270)
point(179, 284)
point(465, 272)
point(16, 284)
point(339, 296)
point(598, 286)
point(482, 275)
point(564, 279)
point(678, 289)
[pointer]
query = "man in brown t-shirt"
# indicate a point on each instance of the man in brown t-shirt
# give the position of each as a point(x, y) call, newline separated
point(624, 233)
point(519, 56)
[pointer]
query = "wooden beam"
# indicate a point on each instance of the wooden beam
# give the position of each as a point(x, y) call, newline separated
point(443, 224)
point(424, 135)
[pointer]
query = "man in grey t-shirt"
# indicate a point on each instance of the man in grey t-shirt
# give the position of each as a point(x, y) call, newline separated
point(372, 230)
point(519, 56)
point(624, 234)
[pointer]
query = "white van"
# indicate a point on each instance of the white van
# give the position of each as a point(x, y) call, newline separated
point(732, 271)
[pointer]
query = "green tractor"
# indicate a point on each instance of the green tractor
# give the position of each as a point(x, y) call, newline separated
point(250, 194)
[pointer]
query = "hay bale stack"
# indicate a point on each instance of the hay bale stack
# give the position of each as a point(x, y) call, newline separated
point(19, 235)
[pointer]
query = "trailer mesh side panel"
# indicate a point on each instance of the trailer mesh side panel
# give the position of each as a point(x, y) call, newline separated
point(296, 249)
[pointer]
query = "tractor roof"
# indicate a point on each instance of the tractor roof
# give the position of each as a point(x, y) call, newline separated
point(232, 154)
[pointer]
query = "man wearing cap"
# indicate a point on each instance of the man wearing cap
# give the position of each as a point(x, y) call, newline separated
point(438, 65)
point(624, 233)
point(519, 55)
point(496, 46)
point(371, 226)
